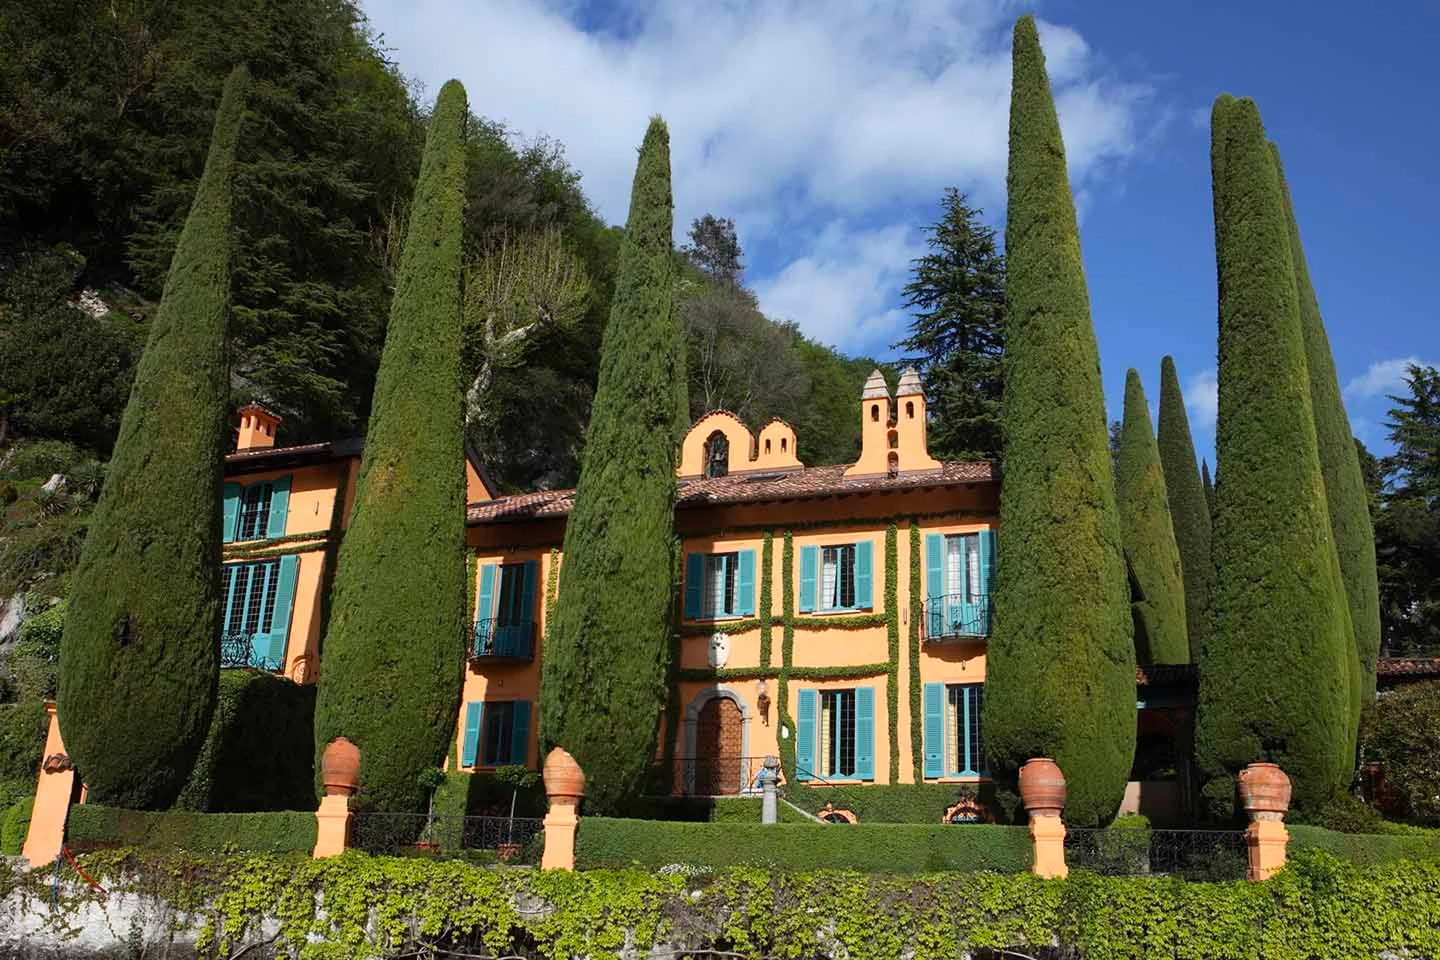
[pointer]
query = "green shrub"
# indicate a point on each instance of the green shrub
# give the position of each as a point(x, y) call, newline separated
point(1344, 813)
point(867, 848)
point(259, 753)
point(39, 460)
point(1402, 731)
point(36, 654)
point(274, 832)
point(22, 740)
point(898, 803)
point(15, 825)
point(1366, 849)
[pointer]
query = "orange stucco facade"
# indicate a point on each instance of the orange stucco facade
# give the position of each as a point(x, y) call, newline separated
point(809, 595)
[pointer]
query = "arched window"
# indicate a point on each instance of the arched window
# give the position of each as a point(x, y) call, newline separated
point(893, 467)
point(717, 455)
point(875, 412)
point(910, 409)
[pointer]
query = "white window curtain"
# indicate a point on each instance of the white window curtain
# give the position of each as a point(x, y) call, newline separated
point(714, 599)
point(972, 550)
point(830, 579)
point(954, 566)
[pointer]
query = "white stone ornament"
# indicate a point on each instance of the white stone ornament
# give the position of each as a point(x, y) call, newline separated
point(719, 650)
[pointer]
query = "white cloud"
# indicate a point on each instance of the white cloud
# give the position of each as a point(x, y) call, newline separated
point(784, 114)
point(1202, 399)
point(1385, 377)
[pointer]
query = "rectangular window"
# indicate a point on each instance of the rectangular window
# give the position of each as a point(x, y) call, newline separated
point(837, 733)
point(254, 511)
point(511, 609)
point(962, 729)
point(962, 568)
point(718, 598)
point(248, 592)
point(837, 578)
point(496, 737)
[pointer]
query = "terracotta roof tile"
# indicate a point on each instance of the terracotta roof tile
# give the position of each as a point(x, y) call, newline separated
point(746, 488)
point(1408, 667)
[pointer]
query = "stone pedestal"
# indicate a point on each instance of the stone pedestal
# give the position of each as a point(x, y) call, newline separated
point(52, 798)
point(1047, 834)
point(1266, 841)
point(332, 826)
point(769, 782)
point(564, 787)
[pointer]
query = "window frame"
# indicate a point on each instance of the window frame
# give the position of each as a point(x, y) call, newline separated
point(845, 551)
point(839, 704)
point(728, 562)
point(495, 709)
point(265, 490)
point(966, 727)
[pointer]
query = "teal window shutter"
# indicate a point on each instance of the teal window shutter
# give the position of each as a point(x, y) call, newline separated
point(470, 746)
point(279, 506)
point(232, 511)
point(987, 575)
point(284, 602)
point(934, 584)
point(527, 596)
point(694, 584)
point(809, 568)
point(520, 732)
point(485, 610)
point(934, 730)
point(745, 584)
point(805, 730)
point(863, 592)
point(865, 733)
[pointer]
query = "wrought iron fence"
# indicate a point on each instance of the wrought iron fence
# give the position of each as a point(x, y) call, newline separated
point(708, 776)
point(1140, 851)
point(513, 839)
point(509, 639)
point(956, 616)
point(238, 650)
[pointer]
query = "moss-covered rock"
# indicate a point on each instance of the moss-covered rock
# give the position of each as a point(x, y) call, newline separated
point(1061, 666)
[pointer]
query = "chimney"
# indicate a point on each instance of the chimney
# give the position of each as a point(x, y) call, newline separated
point(910, 424)
point(257, 428)
point(876, 431)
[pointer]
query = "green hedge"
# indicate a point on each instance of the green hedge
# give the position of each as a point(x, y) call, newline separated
point(901, 803)
point(14, 825)
point(274, 832)
point(356, 905)
point(1366, 849)
point(867, 848)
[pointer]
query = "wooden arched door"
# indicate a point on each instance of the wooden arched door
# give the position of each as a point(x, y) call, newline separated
point(719, 748)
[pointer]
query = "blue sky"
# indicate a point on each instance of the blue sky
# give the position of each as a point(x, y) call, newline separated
point(828, 131)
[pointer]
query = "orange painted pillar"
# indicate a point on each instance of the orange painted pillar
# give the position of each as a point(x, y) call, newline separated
point(1265, 794)
point(564, 786)
point(52, 798)
point(1043, 791)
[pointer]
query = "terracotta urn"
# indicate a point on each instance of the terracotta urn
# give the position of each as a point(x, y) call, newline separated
point(340, 768)
point(562, 775)
point(1042, 787)
point(1264, 791)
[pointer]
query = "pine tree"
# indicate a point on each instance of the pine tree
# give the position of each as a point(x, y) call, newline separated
point(1345, 493)
point(1274, 675)
point(140, 658)
point(1189, 502)
point(957, 333)
point(1157, 586)
point(1061, 666)
point(1209, 505)
point(394, 650)
point(607, 651)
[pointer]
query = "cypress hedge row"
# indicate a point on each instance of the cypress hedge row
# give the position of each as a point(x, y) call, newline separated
point(1157, 586)
point(1187, 494)
point(394, 650)
point(1340, 464)
point(607, 652)
point(140, 654)
point(1274, 668)
point(1210, 503)
point(1061, 665)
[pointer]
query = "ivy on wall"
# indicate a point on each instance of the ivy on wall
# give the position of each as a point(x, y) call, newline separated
point(787, 652)
point(767, 612)
point(892, 637)
point(917, 740)
point(355, 905)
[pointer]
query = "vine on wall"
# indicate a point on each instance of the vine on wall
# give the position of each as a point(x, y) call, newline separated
point(917, 740)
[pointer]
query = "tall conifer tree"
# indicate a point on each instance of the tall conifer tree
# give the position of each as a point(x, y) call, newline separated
point(1061, 666)
point(394, 650)
point(607, 649)
point(1157, 586)
point(1345, 491)
point(140, 657)
point(1210, 504)
point(1274, 669)
point(1189, 506)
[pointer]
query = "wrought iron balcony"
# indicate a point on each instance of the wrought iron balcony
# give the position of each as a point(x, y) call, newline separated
point(494, 639)
point(238, 650)
point(956, 618)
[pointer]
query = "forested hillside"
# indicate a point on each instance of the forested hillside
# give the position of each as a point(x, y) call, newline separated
point(104, 112)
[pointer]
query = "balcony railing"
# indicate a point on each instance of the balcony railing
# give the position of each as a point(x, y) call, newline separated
point(238, 650)
point(956, 617)
point(495, 639)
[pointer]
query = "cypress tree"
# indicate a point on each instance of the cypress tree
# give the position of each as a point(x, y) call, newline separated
point(1153, 560)
point(140, 656)
point(1188, 495)
point(607, 653)
point(1209, 505)
point(1061, 666)
point(395, 646)
point(1274, 667)
point(1345, 490)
